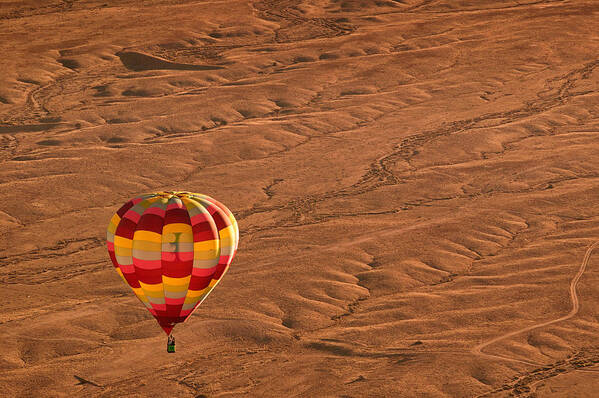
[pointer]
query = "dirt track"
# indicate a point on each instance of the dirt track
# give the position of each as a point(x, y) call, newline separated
point(575, 307)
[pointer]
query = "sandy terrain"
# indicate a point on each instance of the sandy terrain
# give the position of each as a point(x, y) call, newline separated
point(415, 182)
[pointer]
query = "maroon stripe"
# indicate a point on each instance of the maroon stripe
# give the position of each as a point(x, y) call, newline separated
point(151, 222)
point(164, 318)
point(220, 270)
point(199, 282)
point(204, 231)
point(177, 269)
point(132, 280)
point(177, 216)
point(121, 212)
point(113, 258)
point(126, 228)
point(173, 311)
point(220, 219)
point(150, 277)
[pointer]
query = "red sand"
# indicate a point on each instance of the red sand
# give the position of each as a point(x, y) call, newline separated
point(415, 184)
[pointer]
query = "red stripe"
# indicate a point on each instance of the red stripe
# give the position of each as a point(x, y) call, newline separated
point(225, 259)
point(127, 269)
point(133, 216)
point(125, 229)
point(159, 211)
point(177, 269)
point(177, 257)
point(203, 271)
point(174, 302)
point(220, 218)
point(150, 277)
point(151, 222)
point(160, 308)
point(173, 309)
point(121, 212)
point(177, 215)
point(204, 231)
point(199, 282)
point(221, 206)
point(198, 218)
point(174, 204)
point(165, 319)
point(147, 264)
point(131, 280)
point(220, 269)
point(113, 258)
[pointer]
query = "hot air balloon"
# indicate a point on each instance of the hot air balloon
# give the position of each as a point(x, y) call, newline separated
point(172, 248)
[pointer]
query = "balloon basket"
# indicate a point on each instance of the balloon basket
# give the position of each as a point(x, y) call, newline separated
point(170, 344)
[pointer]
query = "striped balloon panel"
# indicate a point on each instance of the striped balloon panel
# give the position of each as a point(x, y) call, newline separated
point(172, 248)
point(205, 277)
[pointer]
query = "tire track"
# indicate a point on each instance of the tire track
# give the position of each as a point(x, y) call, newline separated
point(478, 350)
point(523, 383)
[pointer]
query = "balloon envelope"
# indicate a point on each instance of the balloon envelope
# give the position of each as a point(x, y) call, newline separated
point(172, 248)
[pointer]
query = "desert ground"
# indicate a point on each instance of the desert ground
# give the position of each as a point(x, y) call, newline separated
point(416, 184)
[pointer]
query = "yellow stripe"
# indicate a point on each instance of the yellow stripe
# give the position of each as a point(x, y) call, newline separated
point(176, 227)
point(194, 203)
point(192, 300)
point(148, 236)
point(227, 242)
point(140, 294)
point(205, 255)
point(207, 245)
point(111, 228)
point(146, 203)
point(116, 219)
point(175, 284)
point(195, 293)
point(151, 288)
point(226, 233)
point(137, 290)
point(170, 237)
point(157, 294)
point(194, 296)
point(175, 288)
point(147, 246)
point(122, 242)
point(176, 281)
point(122, 251)
point(191, 205)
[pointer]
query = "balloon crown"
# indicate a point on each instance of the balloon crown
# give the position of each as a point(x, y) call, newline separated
point(170, 194)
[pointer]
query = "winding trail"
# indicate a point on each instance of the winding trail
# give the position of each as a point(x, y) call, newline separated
point(478, 350)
